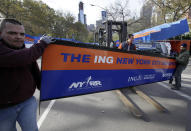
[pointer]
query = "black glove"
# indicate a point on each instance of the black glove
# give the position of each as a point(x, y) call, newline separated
point(47, 39)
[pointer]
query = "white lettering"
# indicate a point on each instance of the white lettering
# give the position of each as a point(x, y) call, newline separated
point(109, 60)
point(95, 59)
point(74, 85)
point(103, 59)
point(86, 84)
point(167, 75)
point(134, 78)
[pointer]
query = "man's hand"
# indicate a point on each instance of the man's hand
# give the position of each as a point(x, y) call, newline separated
point(47, 39)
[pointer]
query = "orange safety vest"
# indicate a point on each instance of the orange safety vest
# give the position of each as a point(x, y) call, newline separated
point(120, 46)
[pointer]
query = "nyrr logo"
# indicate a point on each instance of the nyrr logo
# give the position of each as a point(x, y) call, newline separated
point(89, 83)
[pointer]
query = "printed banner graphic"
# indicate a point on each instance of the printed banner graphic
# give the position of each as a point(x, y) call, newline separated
point(70, 71)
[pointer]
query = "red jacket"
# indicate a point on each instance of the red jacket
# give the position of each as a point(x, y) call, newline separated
point(19, 73)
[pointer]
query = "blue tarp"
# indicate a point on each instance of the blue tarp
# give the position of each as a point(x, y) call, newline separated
point(163, 32)
point(34, 39)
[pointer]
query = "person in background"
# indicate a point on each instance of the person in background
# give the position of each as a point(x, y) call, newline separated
point(112, 44)
point(181, 63)
point(128, 45)
point(19, 75)
point(117, 43)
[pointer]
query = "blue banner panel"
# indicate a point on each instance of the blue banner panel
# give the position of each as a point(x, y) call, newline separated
point(162, 32)
point(65, 83)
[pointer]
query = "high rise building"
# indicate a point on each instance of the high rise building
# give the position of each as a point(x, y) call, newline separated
point(104, 15)
point(91, 27)
point(146, 14)
point(81, 15)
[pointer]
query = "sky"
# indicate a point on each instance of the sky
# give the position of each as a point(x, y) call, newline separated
point(93, 13)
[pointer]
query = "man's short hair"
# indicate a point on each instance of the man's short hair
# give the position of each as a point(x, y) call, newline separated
point(130, 35)
point(184, 45)
point(3, 22)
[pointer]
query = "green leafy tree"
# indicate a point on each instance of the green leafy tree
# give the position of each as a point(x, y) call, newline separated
point(80, 32)
point(7, 7)
point(40, 19)
point(171, 10)
point(90, 37)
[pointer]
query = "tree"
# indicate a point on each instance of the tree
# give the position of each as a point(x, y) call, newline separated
point(90, 37)
point(6, 7)
point(68, 24)
point(118, 11)
point(80, 32)
point(172, 10)
point(38, 19)
point(66, 27)
point(136, 26)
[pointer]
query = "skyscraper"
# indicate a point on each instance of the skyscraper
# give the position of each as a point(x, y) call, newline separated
point(81, 15)
point(104, 15)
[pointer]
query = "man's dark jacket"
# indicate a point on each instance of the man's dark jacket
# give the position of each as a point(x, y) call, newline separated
point(19, 73)
point(125, 46)
point(183, 58)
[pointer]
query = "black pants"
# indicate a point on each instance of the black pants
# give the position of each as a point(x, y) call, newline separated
point(177, 75)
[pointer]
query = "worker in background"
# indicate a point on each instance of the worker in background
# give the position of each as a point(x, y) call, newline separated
point(181, 63)
point(111, 44)
point(128, 45)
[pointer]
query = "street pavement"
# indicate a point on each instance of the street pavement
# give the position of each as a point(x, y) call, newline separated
point(106, 112)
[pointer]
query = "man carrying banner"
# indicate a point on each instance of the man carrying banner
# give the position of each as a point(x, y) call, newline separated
point(19, 77)
point(182, 61)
